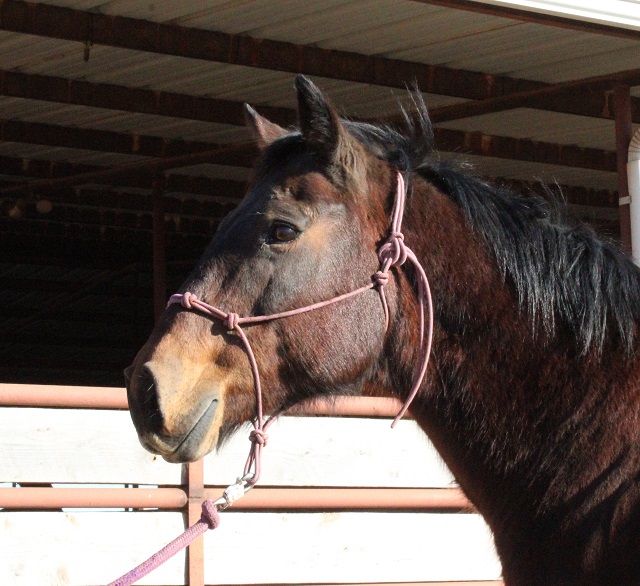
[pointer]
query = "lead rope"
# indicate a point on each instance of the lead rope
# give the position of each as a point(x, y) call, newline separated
point(393, 252)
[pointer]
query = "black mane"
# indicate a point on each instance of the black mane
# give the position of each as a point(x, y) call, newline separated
point(562, 272)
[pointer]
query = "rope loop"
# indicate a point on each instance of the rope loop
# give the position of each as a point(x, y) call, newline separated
point(393, 250)
point(231, 321)
point(210, 514)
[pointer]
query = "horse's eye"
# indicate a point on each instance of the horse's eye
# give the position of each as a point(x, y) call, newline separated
point(282, 233)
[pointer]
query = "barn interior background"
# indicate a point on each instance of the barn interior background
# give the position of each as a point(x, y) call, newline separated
point(122, 145)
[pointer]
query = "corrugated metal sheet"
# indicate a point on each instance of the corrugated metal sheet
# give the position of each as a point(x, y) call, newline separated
point(400, 29)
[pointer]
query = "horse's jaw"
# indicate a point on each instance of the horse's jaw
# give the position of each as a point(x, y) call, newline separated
point(176, 415)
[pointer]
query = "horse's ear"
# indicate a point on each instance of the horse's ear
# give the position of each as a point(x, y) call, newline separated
point(264, 132)
point(319, 122)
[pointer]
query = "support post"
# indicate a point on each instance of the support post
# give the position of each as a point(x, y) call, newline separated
point(195, 551)
point(159, 249)
point(624, 130)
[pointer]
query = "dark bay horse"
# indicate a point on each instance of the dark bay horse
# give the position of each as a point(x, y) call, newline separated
point(532, 394)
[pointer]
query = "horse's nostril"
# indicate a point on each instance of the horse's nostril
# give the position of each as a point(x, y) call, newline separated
point(146, 392)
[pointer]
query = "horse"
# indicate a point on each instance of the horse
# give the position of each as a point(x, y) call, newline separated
point(532, 392)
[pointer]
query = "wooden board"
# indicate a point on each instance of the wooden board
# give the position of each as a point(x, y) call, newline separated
point(76, 445)
point(83, 549)
point(249, 548)
point(327, 451)
point(88, 446)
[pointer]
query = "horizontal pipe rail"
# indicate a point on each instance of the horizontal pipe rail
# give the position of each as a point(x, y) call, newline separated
point(464, 583)
point(37, 498)
point(18, 395)
point(349, 499)
point(288, 499)
point(456, 583)
point(15, 395)
point(448, 583)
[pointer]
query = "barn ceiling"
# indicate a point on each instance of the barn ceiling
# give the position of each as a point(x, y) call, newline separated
point(108, 108)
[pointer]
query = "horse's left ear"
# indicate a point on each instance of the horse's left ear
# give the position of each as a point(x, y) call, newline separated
point(264, 132)
point(319, 122)
point(325, 135)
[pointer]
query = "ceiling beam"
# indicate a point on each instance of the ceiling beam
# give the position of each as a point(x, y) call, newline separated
point(116, 200)
point(37, 169)
point(106, 141)
point(147, 166)
point(599, 87)
point(522, 149)
point(141, 35)
point(446, 141)
point(536, 18)
point(112, 201)
point(98, 210)
point(64, 175)
point(61, 90)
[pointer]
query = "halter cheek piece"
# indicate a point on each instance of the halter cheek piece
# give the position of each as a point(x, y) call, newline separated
point(393, 252)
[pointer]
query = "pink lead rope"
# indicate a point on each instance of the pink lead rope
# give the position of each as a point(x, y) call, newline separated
point(394, 252)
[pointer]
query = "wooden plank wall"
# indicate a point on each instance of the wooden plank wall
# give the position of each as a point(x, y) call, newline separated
point(286, 545)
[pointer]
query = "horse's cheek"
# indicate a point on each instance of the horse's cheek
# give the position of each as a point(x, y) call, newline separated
point(338, 344)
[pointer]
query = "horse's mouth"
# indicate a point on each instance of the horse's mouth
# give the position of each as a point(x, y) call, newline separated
point(195, 444)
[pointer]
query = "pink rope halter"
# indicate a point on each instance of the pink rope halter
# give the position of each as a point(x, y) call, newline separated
point(393, 252)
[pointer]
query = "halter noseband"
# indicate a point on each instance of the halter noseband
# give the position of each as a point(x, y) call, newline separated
point(393, 252)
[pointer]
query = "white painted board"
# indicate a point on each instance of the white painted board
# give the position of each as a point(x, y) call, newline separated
point(88, 446)
point(76, 445)
point(332, 451)
point(89, 548)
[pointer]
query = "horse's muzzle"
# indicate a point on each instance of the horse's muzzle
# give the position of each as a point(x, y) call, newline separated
point(178, 433)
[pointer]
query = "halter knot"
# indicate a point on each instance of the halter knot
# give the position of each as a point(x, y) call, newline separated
point(393, 250)
point(186, 300)
point(210, 514)
point(257, 436)
point(231, 321)
point(381, 278)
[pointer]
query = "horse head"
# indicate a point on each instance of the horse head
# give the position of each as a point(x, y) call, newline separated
point(316, 209)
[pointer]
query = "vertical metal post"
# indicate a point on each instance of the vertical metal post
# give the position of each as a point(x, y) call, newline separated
point(159, 249)
point(624, 131)
point(195, 551)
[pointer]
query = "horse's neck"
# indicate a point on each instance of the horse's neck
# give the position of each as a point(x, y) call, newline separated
point(501, 403)
point(482, 343)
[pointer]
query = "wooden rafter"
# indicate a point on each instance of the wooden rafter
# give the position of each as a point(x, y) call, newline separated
point(446, 140)
point(37, 169)
point(140, 35)
point(61, 90)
